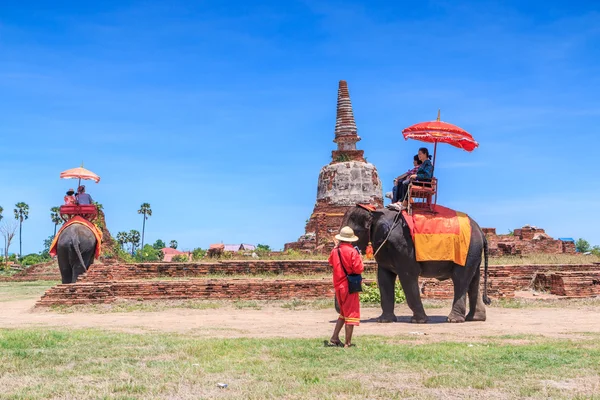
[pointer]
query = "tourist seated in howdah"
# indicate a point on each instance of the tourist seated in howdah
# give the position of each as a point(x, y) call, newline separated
point(423, 175)
point(70, 198)
point(405, 178)
point(79, 205)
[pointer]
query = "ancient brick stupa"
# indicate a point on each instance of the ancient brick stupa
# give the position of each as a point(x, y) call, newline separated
point(349, 179)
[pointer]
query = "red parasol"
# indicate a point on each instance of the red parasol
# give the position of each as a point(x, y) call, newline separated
point(79, 173)
point(442, 132)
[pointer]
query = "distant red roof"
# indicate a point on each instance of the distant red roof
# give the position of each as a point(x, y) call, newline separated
point(168, 250)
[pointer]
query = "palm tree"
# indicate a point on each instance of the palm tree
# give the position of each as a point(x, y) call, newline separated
point(146, 211)
point(122, 238)
point(21, 214)
point(55, 216)
point(173, 244)
point(134, 239)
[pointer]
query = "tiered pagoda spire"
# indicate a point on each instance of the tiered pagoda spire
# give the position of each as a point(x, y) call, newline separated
point(345, 128)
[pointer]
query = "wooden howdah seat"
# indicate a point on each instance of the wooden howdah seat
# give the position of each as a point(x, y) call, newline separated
point(89, 212)
point(422, 195)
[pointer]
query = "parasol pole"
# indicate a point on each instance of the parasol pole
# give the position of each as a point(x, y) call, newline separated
point(79, 184)
point(435, 143)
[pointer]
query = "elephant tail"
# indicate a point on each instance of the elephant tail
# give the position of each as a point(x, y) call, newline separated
point(75, 244)
point(486, 299)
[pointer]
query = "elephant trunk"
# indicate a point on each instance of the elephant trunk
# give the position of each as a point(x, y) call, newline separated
point(486, 299)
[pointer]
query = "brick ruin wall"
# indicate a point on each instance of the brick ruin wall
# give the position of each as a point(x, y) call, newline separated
point(106, 283)
point(526, 240)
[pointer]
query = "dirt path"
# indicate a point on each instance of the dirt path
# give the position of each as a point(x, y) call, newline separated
point(274, 321)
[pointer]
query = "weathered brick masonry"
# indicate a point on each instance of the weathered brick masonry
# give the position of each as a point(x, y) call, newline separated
point(213, 289)
point(106, 283)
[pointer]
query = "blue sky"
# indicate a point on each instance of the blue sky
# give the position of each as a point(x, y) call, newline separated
point(221, 116)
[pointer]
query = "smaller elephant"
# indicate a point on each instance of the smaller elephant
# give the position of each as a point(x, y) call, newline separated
point(75, 249)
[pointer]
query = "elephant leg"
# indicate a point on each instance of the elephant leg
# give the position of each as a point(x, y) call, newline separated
point(386, 280)
point(410, 285)
point(80, 269)
point(65, 268)
point(459, 305)
point(476, 306)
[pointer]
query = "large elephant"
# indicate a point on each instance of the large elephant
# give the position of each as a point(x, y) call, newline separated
point(75, 249)
point(396, 258)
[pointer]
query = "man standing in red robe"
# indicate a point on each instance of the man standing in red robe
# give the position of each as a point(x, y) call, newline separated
point(349, 302)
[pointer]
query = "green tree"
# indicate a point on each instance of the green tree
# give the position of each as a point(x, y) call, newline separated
point(122, 238)
point(582, 245)
point(198, 254)
point(159, 244)
point(1, 210)
point(173, 244)
point(47, 244)
point(146, 211)
point(134, 239)
point(596, 251)
point(55, 217)
point(263, 249)
point(21, 214)
point(149, 253)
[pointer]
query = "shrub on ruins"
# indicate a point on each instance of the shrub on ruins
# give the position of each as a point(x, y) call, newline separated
point(263, 249)
point(596, 251)
point(180, 258)
point(198, 254)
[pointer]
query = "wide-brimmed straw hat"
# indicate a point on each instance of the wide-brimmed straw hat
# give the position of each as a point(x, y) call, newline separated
point(346, 235)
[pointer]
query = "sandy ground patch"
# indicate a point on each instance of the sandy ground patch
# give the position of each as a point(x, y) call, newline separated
point(274, 321)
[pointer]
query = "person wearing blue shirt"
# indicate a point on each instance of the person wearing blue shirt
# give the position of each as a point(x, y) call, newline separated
point(424, 174)
point(82, 197)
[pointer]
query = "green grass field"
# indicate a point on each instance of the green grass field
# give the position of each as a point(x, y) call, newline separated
point(41, 364)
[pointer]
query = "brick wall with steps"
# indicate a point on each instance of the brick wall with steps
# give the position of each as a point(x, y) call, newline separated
point(211, 289)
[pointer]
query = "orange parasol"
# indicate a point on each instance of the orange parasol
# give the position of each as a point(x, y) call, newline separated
point(79, 173)
point(442, 132)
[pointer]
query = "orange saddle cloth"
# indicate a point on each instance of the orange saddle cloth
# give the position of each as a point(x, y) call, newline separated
point(443, 235)
point(78, 220)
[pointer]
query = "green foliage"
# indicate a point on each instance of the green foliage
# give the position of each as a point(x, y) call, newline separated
point(149, 253)
point(370, 294)
point(134, 239)
point(582, 245)
point(173, 244)
point(21, 211)
point(198, 254)
point(263, 249)
point(180, 258)
point(34, 258)
point(511, 233)
point(596, 251)
point(1, 210)
point(146, 210)
point(47, 244)
point(124, 255)
point(122, 238)
point(159, 244)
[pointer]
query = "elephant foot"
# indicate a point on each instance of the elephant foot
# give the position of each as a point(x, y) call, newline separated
point(453, 318)
point(419, 320)
point(478, 316)
point(386, 318)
